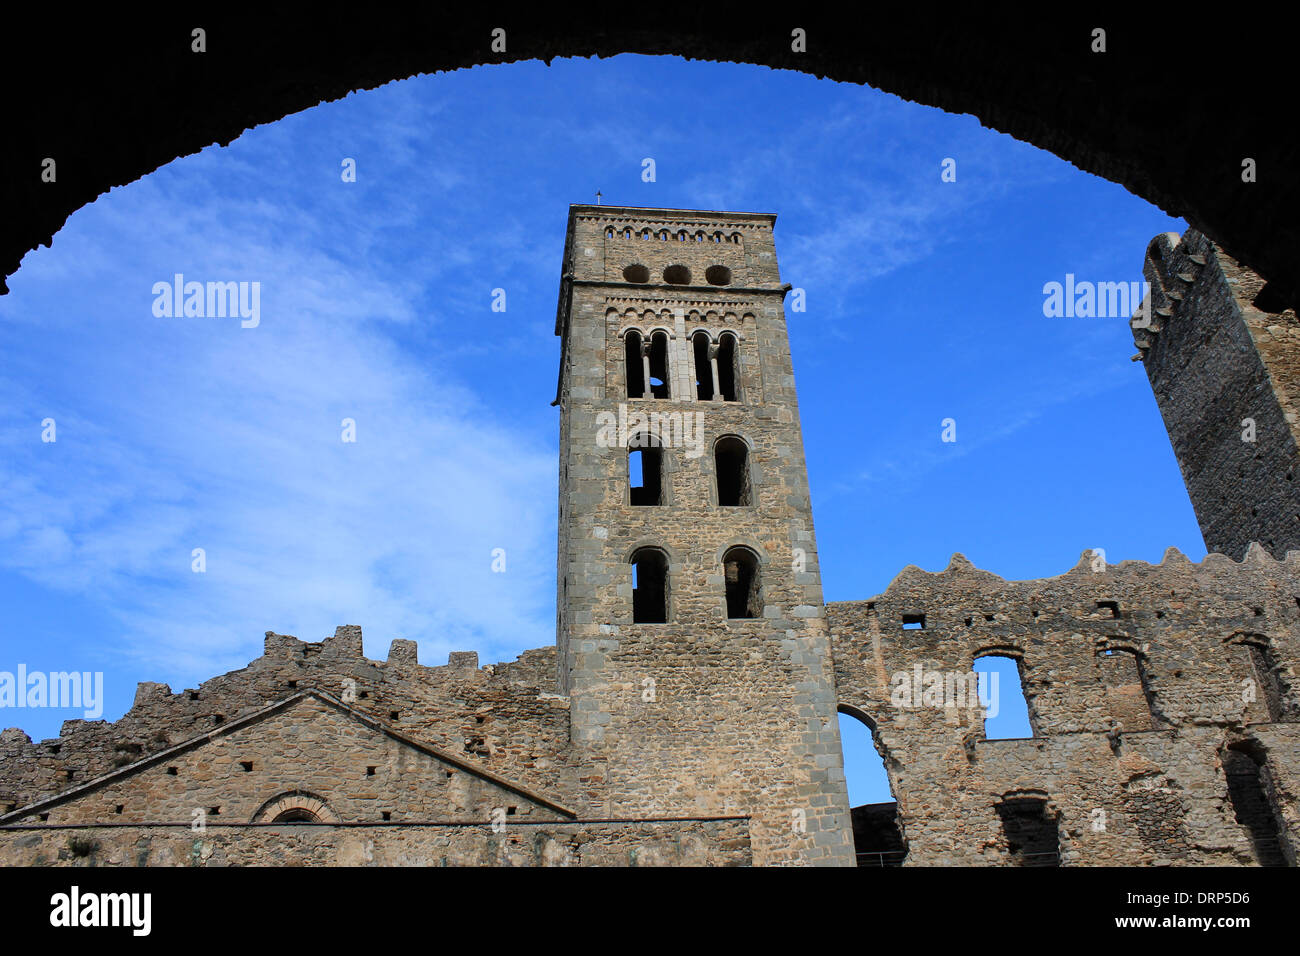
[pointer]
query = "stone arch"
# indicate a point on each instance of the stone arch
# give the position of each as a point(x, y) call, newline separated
point(1006, 71)
point(295, 806)
point(742, 583)
point(878, 838)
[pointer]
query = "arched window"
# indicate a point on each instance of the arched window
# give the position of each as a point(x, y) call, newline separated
point(296, 806)
point(735, 237)
point(297, 815)
point(731, 468)
point(645, 470)
point(877, 836)
point(633, 365)
point(663, 235)
point(627, 233)
point(727, 356)
point(659, 365)
point(649, 586)
point(1258, 662)
point(682, 235)
point(703, 366)
point(744, 589)
point(609, 232)
point(645, 233)
point(717, 237)
point(1124, 679)
point(1031, 829)
point(1001, 692)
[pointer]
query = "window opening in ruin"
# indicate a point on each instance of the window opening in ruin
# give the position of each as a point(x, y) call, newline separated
point(386, 815)
point(1033, 836)
point(731, 464)
point(744, 597)
point(727, 368)
point(645, 472)
point(1001, 692)
point(877, 836)
point(1129, 698)
point(1250, 790)
point(370, 771)
point(649, 587)
point(1264, 670)
point(1112, 606)
point(913, 622)
point(677, 275)
point(247, 765)
point(703, 367)
point(634, 370)
point(659, 365)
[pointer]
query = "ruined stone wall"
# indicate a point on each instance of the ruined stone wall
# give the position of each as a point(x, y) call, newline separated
point(307, 753)
point(702, 714)
point(636, 843)
point(1136, 676)
point(505, 718)
point(1226, 375)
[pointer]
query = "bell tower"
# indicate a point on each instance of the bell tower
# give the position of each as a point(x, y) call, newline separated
point(692, 636)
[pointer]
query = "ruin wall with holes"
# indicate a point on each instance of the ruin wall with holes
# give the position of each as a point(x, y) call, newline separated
point(1146, 686)
point(1226, 375)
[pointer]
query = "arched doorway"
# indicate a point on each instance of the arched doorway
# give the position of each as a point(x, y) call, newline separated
point(877, 834)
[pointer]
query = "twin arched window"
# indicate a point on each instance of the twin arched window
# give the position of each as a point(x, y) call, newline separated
point(651, 585)
point(646, 364)
point(715, 367)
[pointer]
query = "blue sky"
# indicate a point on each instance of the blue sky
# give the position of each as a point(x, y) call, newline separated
point(924, 303)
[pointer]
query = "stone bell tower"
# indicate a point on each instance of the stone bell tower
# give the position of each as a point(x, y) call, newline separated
point(692, 636)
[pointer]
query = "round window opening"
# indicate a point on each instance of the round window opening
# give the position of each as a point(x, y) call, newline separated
point(636, 274)
point(677, 275)
point(718, 275)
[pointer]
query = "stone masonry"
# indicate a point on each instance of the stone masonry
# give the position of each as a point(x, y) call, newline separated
point(1226, 374)
point(688, 714)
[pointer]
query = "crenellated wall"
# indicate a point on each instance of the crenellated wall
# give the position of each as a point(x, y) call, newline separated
point(504, 717)
point(1225, 372)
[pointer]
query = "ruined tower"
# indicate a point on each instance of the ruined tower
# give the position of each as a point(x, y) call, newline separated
point(691, 630)
point(1224, 371)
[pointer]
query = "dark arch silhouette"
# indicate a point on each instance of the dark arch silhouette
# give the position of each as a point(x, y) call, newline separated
point(121, 95)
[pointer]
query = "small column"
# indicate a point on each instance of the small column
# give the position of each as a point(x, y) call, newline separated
point(645, 366)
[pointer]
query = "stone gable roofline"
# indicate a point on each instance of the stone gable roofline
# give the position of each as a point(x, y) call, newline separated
point(256, 716)
point(960, 568)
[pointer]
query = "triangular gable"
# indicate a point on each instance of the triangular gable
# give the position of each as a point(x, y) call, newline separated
point(257, 716)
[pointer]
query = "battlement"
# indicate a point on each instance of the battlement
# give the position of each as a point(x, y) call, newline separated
point(506, 714)
point(1226, 374)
